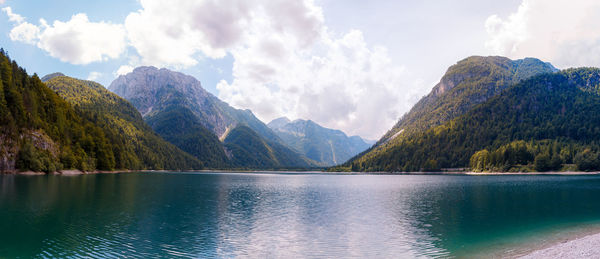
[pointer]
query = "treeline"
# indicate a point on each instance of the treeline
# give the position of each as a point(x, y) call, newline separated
point(540, 156)
point(562, 108)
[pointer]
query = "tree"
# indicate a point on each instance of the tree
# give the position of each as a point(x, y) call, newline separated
point(542, 163)
point(587, 160)
point(28, 158)
point(480, 161)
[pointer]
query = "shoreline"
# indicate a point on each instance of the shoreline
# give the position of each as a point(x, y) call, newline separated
point(66, 172)
point(78, 172)
point(584, 244)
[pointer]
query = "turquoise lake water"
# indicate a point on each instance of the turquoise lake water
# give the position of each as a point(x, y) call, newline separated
point(150, 215)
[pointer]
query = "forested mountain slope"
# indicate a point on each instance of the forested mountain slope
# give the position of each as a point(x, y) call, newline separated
point(40, 131)
point(134, 144)
point(544, 123)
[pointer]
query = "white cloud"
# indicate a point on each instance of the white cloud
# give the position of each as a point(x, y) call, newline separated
point(564, 32)
point(25, 32)
point(94, 75)
point(77, 41)
point(124, 70)
point(176, 33)
point(13, 17)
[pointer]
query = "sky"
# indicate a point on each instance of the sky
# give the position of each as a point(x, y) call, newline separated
point(352, 65)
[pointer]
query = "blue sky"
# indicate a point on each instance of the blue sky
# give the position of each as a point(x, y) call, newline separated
point(346, 64)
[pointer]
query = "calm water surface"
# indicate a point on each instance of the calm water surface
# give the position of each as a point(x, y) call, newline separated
point(150, 215)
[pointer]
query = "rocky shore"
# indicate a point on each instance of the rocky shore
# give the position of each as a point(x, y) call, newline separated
point(583, 247)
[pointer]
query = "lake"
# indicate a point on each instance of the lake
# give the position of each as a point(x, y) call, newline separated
point(290, 215)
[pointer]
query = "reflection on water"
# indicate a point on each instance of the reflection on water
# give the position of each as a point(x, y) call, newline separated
point(284, 215)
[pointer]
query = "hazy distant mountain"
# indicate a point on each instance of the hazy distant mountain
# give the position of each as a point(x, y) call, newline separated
point(181, 111)
point(324, 145)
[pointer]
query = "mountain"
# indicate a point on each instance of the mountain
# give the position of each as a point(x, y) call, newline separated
point(178, 125)
point(39, 131)
point(468, 83)
point(547, 122)
point(250, 150)
point(166, 98)
point(135, 145)
point(324, 145)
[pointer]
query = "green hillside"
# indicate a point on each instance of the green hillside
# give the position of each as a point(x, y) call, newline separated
point(134, 144)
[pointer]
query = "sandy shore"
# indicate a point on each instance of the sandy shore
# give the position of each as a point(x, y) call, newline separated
point(583, 247)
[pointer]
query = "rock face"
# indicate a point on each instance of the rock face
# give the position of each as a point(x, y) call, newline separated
point(151, 90)
point(324, 145)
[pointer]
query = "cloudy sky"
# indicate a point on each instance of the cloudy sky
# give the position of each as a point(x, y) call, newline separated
point(352, 65)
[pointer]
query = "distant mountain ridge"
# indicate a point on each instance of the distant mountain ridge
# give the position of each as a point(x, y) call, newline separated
point(318, 143)
point(167, 99)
